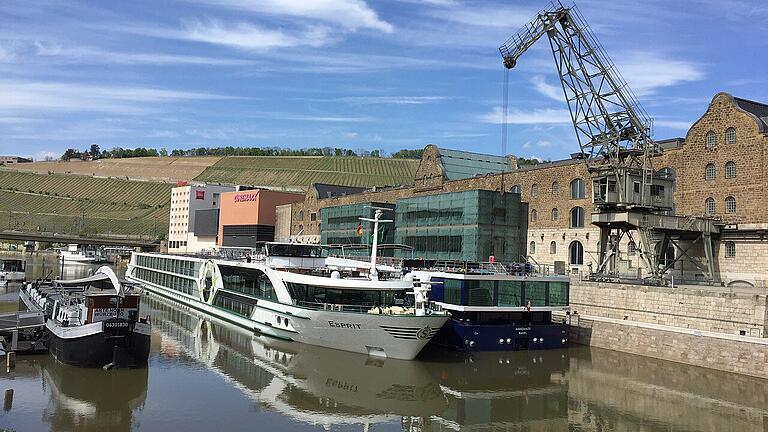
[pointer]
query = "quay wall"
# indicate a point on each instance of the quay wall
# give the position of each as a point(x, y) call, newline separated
point(711, 309)
point(731, 353)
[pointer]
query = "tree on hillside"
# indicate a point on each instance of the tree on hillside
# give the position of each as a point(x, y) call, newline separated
point(71, 154)
point(95, 151)
point(408, 154)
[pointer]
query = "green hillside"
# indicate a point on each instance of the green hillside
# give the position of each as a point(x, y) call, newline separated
point(300, 172)
point(74, 204)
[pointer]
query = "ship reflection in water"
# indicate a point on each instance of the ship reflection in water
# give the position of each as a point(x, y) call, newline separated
point(206, 376)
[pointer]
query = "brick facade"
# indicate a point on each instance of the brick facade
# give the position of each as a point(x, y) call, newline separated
point(688, 161)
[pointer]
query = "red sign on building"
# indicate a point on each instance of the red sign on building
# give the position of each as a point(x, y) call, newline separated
point(200, 195)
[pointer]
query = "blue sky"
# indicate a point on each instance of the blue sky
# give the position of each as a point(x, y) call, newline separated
point(357, 74)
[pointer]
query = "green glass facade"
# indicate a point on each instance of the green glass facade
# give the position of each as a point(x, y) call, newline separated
point(471, 225)
point(339, 224)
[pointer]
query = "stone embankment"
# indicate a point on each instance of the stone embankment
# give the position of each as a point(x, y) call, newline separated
point(710, 327)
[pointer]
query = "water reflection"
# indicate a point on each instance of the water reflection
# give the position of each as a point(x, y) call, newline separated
point(309, 384)
point(204, 375)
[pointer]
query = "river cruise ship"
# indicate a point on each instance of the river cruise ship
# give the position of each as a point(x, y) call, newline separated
point(296, 293)
point(493, 308)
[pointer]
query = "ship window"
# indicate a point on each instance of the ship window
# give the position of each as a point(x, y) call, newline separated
point(510, 293)
point(240, 305)
point(452, 291)
point(480, 292)
point(247, 281)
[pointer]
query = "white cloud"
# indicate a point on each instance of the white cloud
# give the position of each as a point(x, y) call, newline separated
point(391, 100)
point(250, 37)
point(310, 117)
point(536, 116)
point(548, 90)
point(96, 55)
point(646, 72)
point(27, 95)
point(45, 155)
point(489, 16)
point(350, 14)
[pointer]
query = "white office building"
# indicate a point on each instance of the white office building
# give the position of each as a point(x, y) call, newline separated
point(185, 202)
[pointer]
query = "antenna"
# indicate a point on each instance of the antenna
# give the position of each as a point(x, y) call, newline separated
point(374, 274)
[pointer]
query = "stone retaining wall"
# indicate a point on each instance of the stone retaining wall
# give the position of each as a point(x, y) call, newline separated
point(737, 354)
point(693, 308)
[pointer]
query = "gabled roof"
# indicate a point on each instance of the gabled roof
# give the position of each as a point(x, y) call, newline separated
point(759, 110)
point(329, 191)
point(459, 164)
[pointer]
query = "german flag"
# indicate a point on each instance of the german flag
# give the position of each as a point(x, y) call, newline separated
point(360, 230)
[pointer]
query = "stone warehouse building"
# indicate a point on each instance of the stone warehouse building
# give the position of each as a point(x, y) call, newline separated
point(720, 169)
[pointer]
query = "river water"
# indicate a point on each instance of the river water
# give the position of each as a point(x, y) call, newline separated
point(205, 376)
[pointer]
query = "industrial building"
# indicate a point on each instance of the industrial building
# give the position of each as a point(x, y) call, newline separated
point(720, 169)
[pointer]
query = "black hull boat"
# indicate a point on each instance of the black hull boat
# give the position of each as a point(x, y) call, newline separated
point(92, 322)
point(100, 347)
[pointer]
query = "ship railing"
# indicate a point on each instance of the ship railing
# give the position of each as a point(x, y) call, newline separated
point(335, 307)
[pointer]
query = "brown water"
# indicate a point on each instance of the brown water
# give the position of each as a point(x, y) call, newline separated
point(205, 376)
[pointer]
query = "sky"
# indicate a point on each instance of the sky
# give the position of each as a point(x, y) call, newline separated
point(356, 74)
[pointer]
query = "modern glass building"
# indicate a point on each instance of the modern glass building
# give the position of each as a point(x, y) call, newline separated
point(339, 225)
point(471, 225)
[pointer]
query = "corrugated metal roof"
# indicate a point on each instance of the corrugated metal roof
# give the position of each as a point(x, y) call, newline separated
point(459, 164)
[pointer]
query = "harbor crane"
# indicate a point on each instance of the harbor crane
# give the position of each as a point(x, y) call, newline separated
point(614, 134)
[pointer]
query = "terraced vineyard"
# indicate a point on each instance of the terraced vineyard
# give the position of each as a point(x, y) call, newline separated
point(82, 205)
point(300, 172)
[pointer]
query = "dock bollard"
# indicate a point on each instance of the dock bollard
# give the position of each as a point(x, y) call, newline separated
point(8, 401)
point(10, 361)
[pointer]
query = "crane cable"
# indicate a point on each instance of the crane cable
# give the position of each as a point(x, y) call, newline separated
point(504, 112)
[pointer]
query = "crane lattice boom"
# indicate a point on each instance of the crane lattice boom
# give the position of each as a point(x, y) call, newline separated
point(612, 129)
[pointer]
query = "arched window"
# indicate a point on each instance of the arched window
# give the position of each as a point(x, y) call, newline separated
point(555, 188)
point(553, 248)
point(515, 189)
point(577, 189)
point(730, 169)
point(534, 190)
point(710, 171)
point(730, 249)
point(711, 139)
point(667, 173)
point(631, 248)
point(534, 215)
point(301, 215)
point(555, 214)
point(709, 206)
point(576, 253)
point(730, 205)
point(730, 135)
point(532, 248)
point(577, 217)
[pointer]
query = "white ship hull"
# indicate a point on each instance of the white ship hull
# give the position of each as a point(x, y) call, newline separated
point(392, 336)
